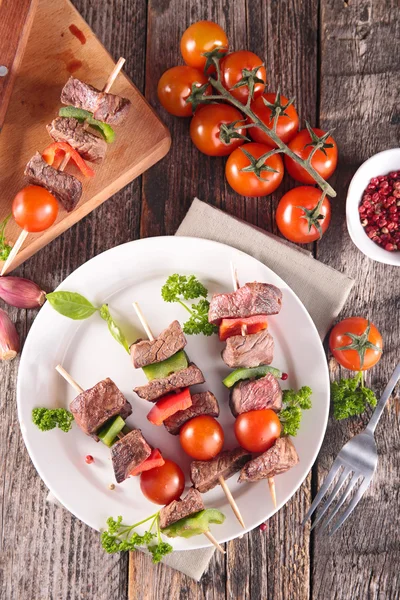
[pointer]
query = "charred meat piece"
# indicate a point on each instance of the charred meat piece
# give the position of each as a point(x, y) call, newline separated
point(179, 509)
point(128, 453)
point(255, 394)
point(93, 407)
point(250, 350)
point(65, 187)
point(278, 459)
point(168, 343)
point(249, 300)
point(69, 130)
point(108, 108)
point(176, 381)
point(204, 474)
point(204, 403)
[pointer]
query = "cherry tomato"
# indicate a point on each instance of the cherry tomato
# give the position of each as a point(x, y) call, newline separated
point(324, 164)
point(246, 183)
point(205, 129)
point(163, 484)
point(201, 37)
point(290, 216)
point(34, 208)
point(287, 126)
point(202, 437)
point(175, 86)
point(232, 71)
point(350, 359)
point(257, 430)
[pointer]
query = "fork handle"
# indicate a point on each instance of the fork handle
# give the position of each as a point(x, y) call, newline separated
point(384, 398)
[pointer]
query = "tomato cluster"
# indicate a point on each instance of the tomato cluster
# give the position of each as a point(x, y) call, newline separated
point(252, 169)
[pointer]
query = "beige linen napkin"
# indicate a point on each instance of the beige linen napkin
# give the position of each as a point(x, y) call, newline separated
point(322, 290)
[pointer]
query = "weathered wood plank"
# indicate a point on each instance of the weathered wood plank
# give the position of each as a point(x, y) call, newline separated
point(359, 88)
point(45, 552)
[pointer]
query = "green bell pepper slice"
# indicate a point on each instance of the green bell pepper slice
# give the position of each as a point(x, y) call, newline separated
point(81, 115)
point(110, 430)
point(174, 363)
point(194, 524)
point(250, 373)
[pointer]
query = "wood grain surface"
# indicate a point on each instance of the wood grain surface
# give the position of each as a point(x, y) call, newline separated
point(340, 60)
point(53, 53)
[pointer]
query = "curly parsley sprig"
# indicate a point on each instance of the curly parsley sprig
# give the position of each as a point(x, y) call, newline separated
point(350, 397)
point(178, 288)
point(5, 248)
point(121, 538)
point(294, 403)
point(49, 418)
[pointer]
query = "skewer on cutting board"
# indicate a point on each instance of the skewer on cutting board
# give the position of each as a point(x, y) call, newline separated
point(79, 389)
point(24, 234)
point(236, 286)
point(221, 480)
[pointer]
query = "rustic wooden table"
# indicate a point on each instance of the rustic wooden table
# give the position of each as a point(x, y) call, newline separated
point(341, 61)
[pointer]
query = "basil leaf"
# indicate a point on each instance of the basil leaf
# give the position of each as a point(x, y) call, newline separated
point(71, 305)
point(113, 327)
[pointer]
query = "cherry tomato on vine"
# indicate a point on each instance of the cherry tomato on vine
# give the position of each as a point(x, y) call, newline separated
point(175, 86)
point(202, 437)
point(288, 124)
point(205, 128)
point(247, 183)
point(298, 212)
point(163, 484)
point(323, 163)
point(359, 352)
point(257, 430)
point(34, 208)
point(201, 37)
point(232, 71)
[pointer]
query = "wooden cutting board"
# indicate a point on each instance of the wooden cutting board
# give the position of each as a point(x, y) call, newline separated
point(52, 54)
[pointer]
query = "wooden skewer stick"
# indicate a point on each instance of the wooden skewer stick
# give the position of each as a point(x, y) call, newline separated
point(221, 480)
point(236, 286)
point(24, 234)
point(212, 539)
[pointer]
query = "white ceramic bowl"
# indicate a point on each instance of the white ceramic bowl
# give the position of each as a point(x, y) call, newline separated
point(379, 164)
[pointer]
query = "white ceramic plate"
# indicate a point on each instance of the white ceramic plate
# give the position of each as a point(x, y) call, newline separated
point(135, 272)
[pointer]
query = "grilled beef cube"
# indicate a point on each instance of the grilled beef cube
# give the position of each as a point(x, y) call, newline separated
point(69, 130)
point(249, 300)
point(255, 394)
point(128, 453)
point(168, 343)
point(278, 459)
point(179, 509)
point(176, 381)
point(204, 474)
point(108, 108)
point(93, 407)
point(250, 350)
point(65, 187)
point(204, 403)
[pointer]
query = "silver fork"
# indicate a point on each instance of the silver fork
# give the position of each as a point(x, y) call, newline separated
point(357, 459)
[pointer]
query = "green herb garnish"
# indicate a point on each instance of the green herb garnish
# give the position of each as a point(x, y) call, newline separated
point(5, 248)
point(121, 538)
point(293, 403)
point(49, 418)
point(113, 328)
point(178, 288)
point(350, 397)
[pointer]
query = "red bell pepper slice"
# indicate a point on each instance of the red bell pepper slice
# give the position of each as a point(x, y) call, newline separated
point(154, 460)
point(169, 405)
point(230, 327)
point(55, 153)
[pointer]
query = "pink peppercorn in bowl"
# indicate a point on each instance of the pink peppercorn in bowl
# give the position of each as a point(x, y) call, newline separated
point(373, 208)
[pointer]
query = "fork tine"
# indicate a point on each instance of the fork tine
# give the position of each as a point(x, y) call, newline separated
point(350, 486)
point(355, 500)
point(343, 476)
point(328, 480)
